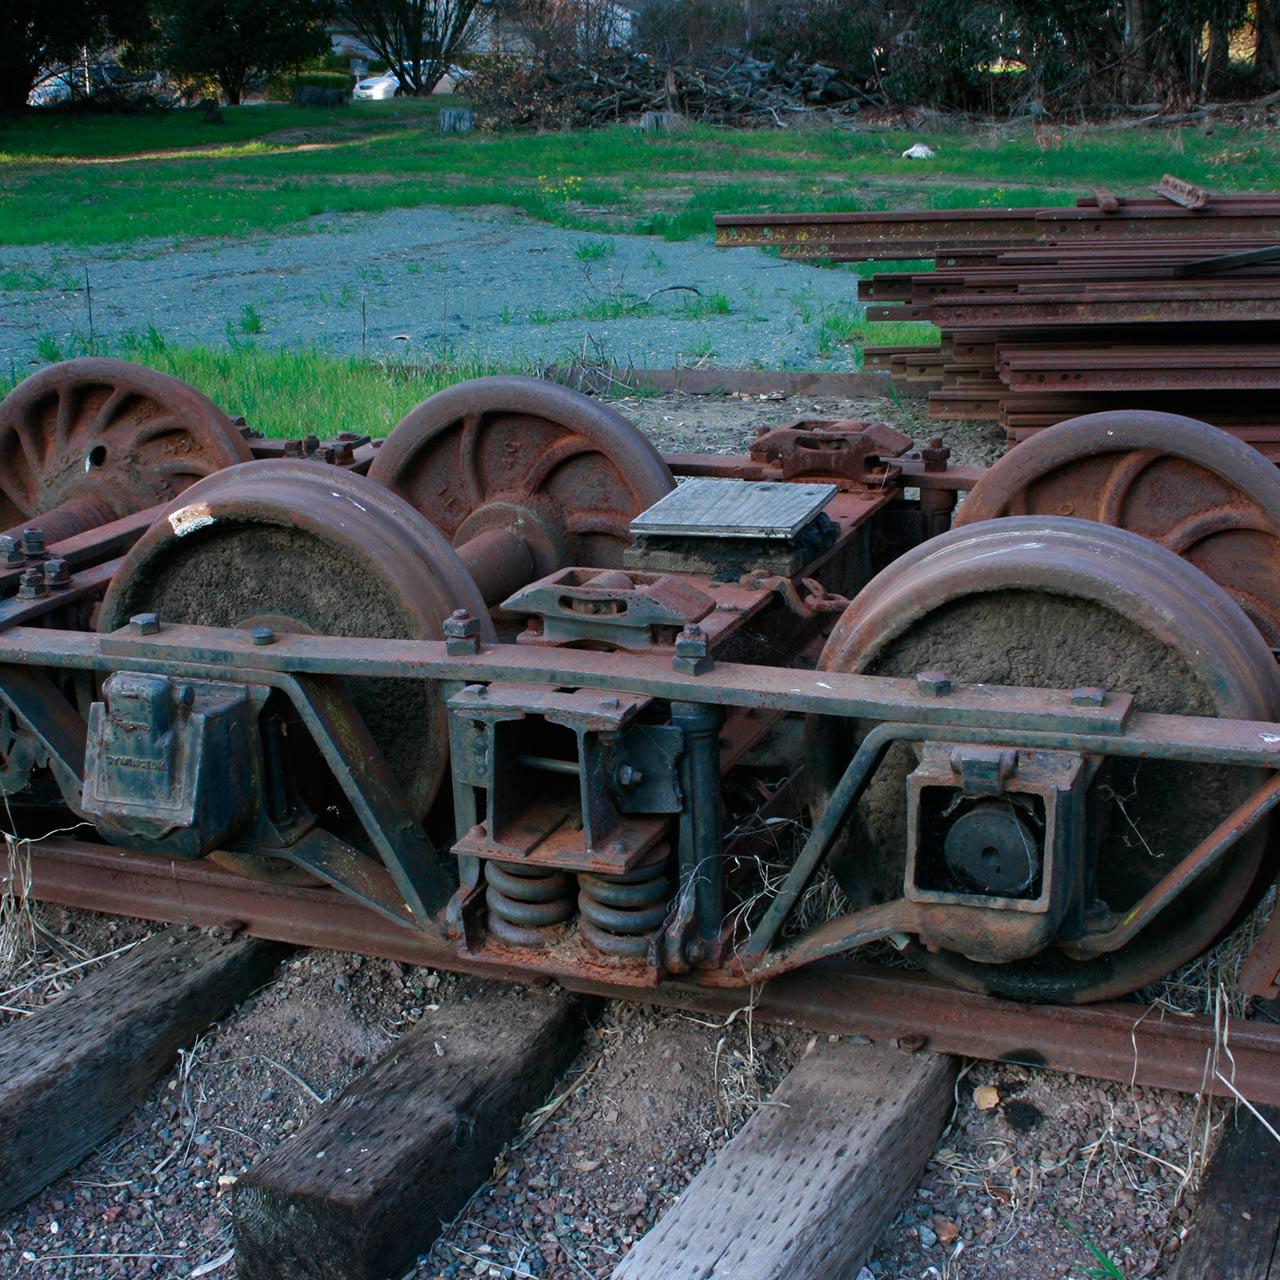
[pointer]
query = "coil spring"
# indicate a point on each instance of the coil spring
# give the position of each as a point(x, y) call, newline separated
point(527, 904)
point(621, 913)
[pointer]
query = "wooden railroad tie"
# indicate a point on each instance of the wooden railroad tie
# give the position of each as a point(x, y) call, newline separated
point(813, 1178)
point(365, 1187)
point(71, 1072)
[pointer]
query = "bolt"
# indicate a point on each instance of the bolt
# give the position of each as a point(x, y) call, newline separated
point(691, 651)
point(11, 551)
point(343, 453)
point(56, 573)
point(31, 584)
point(608, 704)
point(629, 777)
point(936, 683)
point(935, 455)
point(461, 634)
point(293, 448)
point(1088, 697)
point(310, 444)
point(145, 624)
point(262, 635)
point(33, 544)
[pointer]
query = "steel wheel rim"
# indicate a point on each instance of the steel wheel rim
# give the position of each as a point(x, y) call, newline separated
point(1197, 490)
point(1105, 569)
point(523, 454)
point(106, 438)
point(400, 577)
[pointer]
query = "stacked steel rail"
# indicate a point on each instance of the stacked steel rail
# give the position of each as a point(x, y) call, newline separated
point(1044, 314)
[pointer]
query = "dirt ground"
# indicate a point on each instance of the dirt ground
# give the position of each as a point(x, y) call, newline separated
point(1036, 1175)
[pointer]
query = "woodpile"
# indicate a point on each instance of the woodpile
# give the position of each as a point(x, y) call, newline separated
point(735, 89)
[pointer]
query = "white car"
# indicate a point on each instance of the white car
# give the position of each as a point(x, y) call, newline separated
point(376, 88)
point(387, 85)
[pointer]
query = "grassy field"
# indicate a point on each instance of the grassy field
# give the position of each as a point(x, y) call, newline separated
point(106, 180)
point(287, 393)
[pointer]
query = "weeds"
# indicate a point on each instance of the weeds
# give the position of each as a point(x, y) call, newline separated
point(284, 393)
point(595, 250)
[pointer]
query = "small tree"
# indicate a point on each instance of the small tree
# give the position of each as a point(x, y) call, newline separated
point(232, 41)
point(37, 34)
point(418, 39)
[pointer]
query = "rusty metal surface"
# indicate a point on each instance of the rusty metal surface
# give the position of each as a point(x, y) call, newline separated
point(1140, 595)
point(85, 442)
point(1131, 1043)
point(496, 460)
point(1175, 481)
point(298, 547)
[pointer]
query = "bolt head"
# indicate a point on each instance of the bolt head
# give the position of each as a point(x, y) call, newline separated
point(262, 635)
point(1088, 697)
point(935, 683)
point(56, 573)
point(31, 585)
point(145, 624)
point(33, 543)
point(11, 551)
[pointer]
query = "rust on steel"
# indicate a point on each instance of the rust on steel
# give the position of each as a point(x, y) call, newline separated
point(1116, 302)
point(89, 441)
point(1193, 489)
point(1123, 1042)
point(523, 477)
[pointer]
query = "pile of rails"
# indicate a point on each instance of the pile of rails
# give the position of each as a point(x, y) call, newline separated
point(1169, 302)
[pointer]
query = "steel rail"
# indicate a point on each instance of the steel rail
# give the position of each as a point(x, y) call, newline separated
point(1126, 1042)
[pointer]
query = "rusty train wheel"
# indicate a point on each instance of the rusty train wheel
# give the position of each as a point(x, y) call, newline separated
point(518, 455)
point(1060, 603)
point(88, 441)
point(310, 549)
point(1205, 495)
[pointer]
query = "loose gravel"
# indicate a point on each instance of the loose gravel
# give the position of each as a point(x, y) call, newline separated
point(421, 284)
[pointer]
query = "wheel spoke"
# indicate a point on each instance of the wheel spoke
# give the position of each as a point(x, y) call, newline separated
point(556, 455)
point(1207, 524)
point(468, 453)
point(1115, 490)
point(20, 498)
point(109, 409)
point(154, 428)
point(580, 522)
point(65, 419)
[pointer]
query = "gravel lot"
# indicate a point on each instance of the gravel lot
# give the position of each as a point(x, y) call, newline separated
point(419, 283)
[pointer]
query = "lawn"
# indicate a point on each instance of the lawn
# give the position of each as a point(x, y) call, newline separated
point(106, 180)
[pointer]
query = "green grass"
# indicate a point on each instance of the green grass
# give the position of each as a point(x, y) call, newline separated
point(595, 250)
point(843, 328)
point(287, 393)
point(116, 179)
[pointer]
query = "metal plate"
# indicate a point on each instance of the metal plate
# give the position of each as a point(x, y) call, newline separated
point(734, 509)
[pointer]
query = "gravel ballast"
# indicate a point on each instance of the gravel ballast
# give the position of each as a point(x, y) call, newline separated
point(421, 284)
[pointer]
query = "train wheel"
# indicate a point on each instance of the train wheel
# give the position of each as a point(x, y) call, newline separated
point(494, 455)
point(88, 441)
point(1205, 495)
point(310, 549)
point(1060, 603)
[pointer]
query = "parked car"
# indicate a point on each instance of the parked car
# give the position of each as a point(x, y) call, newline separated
point(52, 88)
point(376, 88)
point(387, 85)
